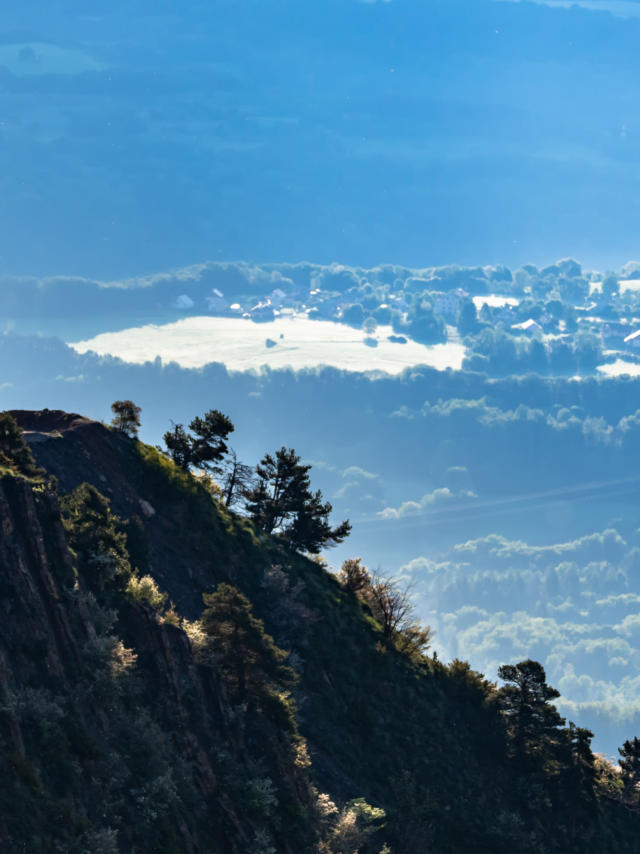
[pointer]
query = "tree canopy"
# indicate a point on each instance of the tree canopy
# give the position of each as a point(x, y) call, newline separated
point(630, 765)
point(15, 453)
point(391, 605)
point(282, 503)
point(126, 416)
point(94, 533)
point(525, 700)
point(247, 656)
point(205, 446)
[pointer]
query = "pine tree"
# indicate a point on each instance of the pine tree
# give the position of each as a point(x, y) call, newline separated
point(208, 446)
point(310, 530)
point(282, 503)
point(95, 536)
point(179, 446)
point(532, 721)
point(205, 446)
point(126, 416)
point(630, 767)
point(247, 656)
point(578, 777)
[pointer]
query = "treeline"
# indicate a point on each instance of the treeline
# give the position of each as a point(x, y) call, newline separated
point(495, 351)
point(276, 495)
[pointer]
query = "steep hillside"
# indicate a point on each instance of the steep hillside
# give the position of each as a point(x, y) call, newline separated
point(128, 725)
point(113, 739)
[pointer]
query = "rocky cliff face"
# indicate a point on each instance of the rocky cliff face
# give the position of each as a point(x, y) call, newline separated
point(112, 737)
point(35, 633)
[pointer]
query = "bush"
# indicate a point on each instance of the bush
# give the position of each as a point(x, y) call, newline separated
point(354, 576)
point(146, 590)
point(15, 454)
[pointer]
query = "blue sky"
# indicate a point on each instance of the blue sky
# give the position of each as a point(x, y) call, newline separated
point(148, 135)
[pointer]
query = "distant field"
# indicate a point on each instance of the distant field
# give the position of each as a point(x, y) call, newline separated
point(296, 343)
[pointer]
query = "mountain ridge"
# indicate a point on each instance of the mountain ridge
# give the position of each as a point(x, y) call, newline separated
point(424, 742)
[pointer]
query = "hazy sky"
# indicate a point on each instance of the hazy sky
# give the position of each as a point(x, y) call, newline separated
point(619, 8)
point(150, 135)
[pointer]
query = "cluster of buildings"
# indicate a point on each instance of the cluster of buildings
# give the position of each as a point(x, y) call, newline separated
point(602, 315)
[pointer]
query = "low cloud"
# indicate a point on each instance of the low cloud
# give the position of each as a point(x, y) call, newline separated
point(617, 8)
point(428, 502)
point(355, 472)
point(77, 379)
point(608, 545)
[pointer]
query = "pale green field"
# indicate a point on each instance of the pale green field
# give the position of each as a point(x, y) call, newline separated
point(241, 345)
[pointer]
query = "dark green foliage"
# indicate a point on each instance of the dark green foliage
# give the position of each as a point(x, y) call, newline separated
point(532, 722)
point(310, 530)
point(178, 444)
point(126, 416)
point(205, 446)
point(630, 766)
point(128, 747)
point(283, 483)
point(137, 542)
point(245, 653)
point(15, 454)
point(209, 442)
point(579, 775)
point(94, 533)
point(282, 503)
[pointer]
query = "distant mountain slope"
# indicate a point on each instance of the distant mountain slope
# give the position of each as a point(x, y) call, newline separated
point(417, 131)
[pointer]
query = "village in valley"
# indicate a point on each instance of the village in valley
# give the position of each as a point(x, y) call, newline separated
point(557, 320)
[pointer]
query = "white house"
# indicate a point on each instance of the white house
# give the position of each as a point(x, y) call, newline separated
point(529, 326)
